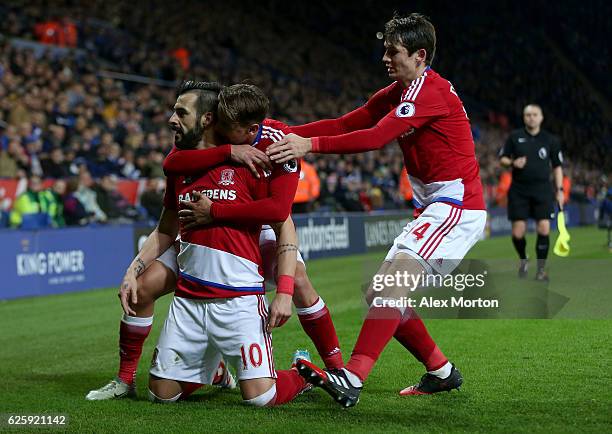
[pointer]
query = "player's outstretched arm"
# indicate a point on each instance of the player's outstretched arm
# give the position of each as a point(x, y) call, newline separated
point(156, 243)
point(286, 251)
point(358, 119)
point(190, 162)
point(293, 146)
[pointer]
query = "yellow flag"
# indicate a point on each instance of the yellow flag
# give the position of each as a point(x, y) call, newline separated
point(562, 247)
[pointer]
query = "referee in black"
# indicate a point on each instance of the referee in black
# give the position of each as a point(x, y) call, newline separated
point(532, 152)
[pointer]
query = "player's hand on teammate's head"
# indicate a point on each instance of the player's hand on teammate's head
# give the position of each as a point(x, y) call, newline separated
point(196, 212)
point(128, 293)
point(280, 310)
point(251, 157)
point(288, 148)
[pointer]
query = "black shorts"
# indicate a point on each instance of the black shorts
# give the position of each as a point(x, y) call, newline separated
point(535, 202)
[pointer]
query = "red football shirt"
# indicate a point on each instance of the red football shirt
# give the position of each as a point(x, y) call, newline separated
point(219, 261)
point(432, 128)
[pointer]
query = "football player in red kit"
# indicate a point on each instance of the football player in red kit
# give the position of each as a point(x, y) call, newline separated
point(143, 285)
point(422, 111)
point(219, 309)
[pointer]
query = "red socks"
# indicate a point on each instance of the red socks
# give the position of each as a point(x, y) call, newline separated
point(376, 331)
point(289, 384)
point(413, 335)
point(132, 334)
point(318, 325)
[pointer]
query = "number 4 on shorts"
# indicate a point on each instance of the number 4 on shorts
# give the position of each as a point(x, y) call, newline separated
point(419, 232)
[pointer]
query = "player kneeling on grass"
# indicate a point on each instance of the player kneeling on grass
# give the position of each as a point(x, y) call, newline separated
point(144, 283)
point(219, 308)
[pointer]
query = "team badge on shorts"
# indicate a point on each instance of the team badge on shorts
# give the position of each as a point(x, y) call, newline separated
point(227, 177)
point(290, 166)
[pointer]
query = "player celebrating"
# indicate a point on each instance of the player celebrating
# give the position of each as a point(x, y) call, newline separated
point(237, 125)
point(143, 285)
point(422, 111)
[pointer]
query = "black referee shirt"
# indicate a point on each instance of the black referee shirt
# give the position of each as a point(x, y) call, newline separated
point(542, 151)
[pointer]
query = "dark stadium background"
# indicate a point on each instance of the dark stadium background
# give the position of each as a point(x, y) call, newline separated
point(314, 60)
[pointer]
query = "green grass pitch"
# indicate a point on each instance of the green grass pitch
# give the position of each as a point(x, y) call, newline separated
point(524, 375)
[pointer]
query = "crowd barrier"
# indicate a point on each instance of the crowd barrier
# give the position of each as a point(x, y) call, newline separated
point(54, 261)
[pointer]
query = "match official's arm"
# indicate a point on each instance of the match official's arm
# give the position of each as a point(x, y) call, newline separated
point(507, 158)
point(556, 158)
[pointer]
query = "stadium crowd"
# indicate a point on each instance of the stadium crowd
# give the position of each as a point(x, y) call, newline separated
point(63, 117)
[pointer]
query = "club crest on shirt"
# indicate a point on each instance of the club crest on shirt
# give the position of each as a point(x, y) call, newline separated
point(227, 177)
point(542, 153)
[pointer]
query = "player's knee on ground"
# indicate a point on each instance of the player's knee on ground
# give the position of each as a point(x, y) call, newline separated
point(258, 392)
point(164, 391)
point(264, 399)
point(305, 295)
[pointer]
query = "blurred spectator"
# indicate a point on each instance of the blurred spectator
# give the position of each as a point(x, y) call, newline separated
point(55, 166)
point(88, 198)
point(405, 188)
point(54, 197)
point(116, 207)
point(320, 70)
point(31, 208)
point(308, 189)
point(74, 211)
point(152, 199)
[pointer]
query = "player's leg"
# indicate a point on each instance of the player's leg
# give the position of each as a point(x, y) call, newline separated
point(316, 319)
point(313, 314)
point(247, 345)
point(155, 282)
point(377, 330)
point(158, 279)
point(184, 360)
point(444, 254)
point(440, 232)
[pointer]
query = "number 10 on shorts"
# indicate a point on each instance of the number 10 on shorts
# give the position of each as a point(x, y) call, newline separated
point(255, 356)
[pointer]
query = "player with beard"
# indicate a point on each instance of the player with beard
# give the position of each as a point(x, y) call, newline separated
point(143, 285)
point(219, 308)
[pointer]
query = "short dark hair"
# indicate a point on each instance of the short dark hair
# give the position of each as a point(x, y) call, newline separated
point(414, 32)
point(533, 104)
point(208, 95)
point(244, 104)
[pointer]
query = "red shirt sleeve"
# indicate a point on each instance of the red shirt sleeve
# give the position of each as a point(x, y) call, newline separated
point(190, 162)
point(273, 209)
point(408, 115)
point(170, 193)
point(359, 119)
